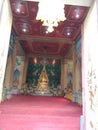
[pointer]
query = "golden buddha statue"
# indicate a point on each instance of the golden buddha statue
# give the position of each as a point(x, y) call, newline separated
point(43, 80)
point(42, 87)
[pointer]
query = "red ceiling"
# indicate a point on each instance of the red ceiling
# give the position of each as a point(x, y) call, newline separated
point(32, 35)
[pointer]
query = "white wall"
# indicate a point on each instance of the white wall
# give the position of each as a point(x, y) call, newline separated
point(90, 70)
point(5, 29)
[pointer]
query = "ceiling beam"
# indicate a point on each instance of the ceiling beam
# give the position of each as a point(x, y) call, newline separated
point(44, 56)
point(72, 2)
point(46, 39)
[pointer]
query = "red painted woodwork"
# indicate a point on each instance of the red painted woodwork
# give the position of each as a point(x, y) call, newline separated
point(34, 38)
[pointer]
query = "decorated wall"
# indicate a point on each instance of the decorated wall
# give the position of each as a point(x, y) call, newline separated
point(13, 66)
point(90, 70)
point(11, 44)
point(10, 62)
point(18, 68)
point(70, 75)
point(78, 65)
point(53, 72)
point(16, 74)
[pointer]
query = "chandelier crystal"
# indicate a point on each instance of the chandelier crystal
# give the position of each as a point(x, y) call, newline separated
point(51, 12)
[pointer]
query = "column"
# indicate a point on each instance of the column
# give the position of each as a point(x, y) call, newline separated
point(25, 69)
point(63, 74)
point(74, 65)
point(21, 78)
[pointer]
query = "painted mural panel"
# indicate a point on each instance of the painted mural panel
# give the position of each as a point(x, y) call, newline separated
point(9, 60)
point(70, 75)
point(20, 51)
point(17, 72)
point(78, 65)
point(12, 44)
point(92, 79)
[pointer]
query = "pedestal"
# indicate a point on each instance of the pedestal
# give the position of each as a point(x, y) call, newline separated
point(43, 90)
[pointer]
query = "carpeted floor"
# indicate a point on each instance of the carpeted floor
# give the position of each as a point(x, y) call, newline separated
point(39, 113)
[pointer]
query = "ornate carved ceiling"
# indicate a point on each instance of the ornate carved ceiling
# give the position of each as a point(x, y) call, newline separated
point(34, 38)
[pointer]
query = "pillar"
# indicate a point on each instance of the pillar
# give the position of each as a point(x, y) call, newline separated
point(23, 71)
point(63, 74)
point(74, 69)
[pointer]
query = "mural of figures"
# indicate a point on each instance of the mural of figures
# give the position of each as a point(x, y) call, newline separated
point(11, 45)
point(78, 65)
point(70, 75)
point(16, 77)
point(17, 72)
point(9, 65)
point(78, 74)
point(90, 71)
point(69, 89)
point(92, 88)
point(69, 80)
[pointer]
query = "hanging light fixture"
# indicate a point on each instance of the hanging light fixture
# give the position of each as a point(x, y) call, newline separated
point(35, 60)
point(51, 12)
point(53, 62)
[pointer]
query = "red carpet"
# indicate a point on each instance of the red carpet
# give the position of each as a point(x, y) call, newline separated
point(39, 113)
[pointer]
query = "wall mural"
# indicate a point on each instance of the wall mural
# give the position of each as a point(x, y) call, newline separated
point(92, 95)
point(78, 64)
point(12, 44)
point(9, 57)
point(17, 72)
point(70, 75)
point(69, 89)
point(53, 72)
point(90, 70)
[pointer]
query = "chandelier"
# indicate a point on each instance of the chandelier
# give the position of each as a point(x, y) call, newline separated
point(51, 12)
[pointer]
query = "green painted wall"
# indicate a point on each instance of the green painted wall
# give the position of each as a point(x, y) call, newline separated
point(53, 72)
